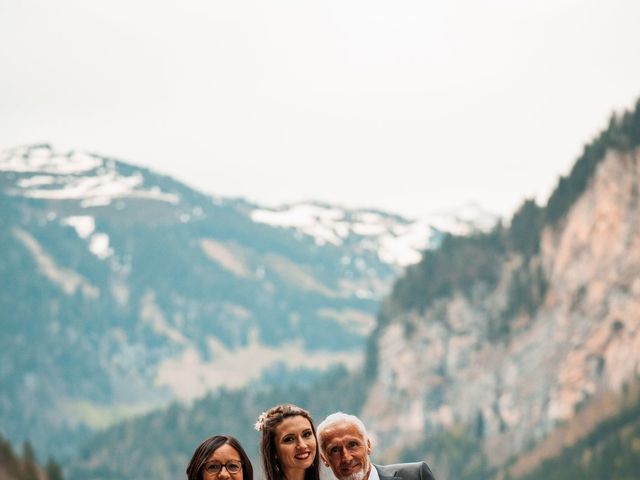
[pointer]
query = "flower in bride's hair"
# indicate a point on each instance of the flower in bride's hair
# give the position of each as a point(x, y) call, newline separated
point(259, 426)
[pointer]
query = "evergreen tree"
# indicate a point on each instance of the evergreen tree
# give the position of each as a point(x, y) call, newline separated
point(29, 467)
point(526, 227)
point(9, 462)
point(54, 472)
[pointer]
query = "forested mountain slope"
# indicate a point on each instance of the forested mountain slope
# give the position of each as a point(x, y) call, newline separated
point(123, 290)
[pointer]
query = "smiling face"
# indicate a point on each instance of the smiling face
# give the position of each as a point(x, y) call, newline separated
point(346, 451)
point(295, 445)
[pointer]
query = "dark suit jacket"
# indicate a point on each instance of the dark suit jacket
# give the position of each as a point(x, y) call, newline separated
point(405, 471)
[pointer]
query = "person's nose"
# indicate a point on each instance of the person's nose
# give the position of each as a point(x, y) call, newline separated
point(301, 443)
point(224, 473)
point(345, 455)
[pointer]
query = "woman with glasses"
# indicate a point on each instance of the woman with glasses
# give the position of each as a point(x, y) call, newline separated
point(220, 458)
point(289, 448)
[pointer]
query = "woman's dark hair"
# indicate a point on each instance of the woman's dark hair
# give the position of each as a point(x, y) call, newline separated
point(210, 445)
point(267, 424)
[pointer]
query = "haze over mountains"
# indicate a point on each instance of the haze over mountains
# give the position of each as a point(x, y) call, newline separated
point(511, 353)
point(126, 290)
point(494, 352)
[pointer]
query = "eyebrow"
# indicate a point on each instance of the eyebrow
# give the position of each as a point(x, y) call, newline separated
point(346, 440)
point(306, 429)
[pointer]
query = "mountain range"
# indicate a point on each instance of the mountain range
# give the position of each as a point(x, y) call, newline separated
point(511, 353)
point(126, 290)
point(140, 316)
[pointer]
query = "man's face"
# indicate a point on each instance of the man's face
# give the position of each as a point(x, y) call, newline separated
point(346, 451)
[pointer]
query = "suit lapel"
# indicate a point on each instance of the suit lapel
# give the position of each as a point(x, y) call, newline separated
point(386, 473)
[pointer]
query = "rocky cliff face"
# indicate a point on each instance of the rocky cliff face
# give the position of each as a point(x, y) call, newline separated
point(441, 366)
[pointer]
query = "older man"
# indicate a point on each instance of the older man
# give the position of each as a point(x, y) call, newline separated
point(345, 447)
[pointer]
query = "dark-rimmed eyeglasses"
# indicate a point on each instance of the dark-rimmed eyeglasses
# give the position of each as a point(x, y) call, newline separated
point(214, 468)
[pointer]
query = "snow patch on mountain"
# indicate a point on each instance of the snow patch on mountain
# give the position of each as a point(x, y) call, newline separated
point(74, 176)
point(99, 246)
point(396, 240)
point(85, 226)
point(324, 224)
point(41, 159)
point(393, 238)
point(462, 220)
point(36, 181)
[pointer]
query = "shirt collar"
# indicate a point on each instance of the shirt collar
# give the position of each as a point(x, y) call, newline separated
point(373, 473)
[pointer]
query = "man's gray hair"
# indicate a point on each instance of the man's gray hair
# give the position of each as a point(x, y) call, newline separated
point(340, 417)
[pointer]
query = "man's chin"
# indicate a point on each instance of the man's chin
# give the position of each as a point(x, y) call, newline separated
point(359, 475)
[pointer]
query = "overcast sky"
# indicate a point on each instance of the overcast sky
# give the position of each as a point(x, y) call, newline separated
point(408, 106)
